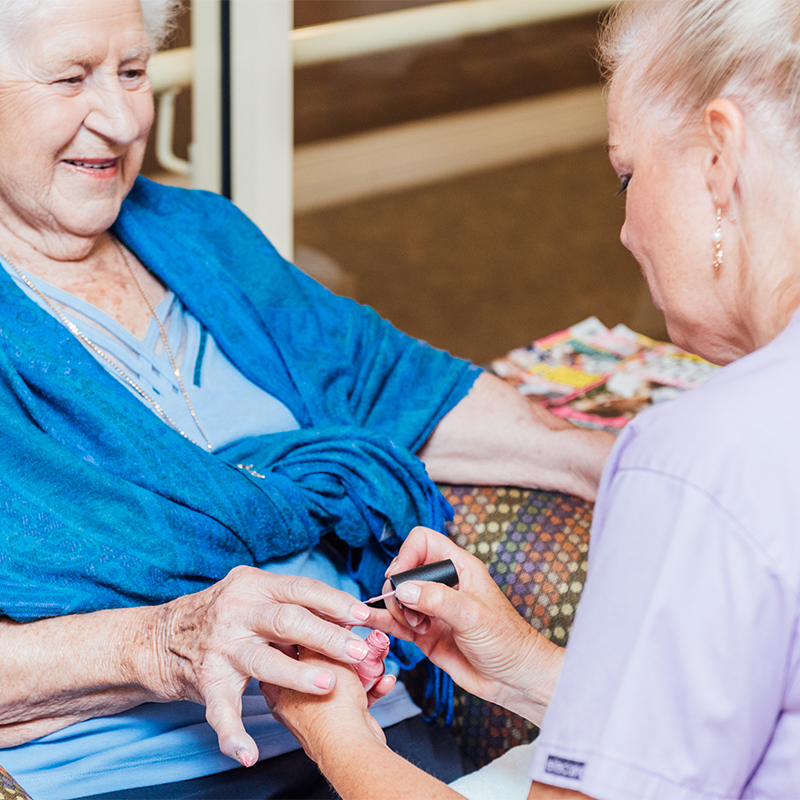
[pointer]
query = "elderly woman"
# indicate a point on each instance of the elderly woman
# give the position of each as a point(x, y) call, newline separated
point(682, 675)
point(179, 407)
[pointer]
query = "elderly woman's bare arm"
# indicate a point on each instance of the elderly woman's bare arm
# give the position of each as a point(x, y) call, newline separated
point(495, 436)
point(65, 669)
point(203, 647)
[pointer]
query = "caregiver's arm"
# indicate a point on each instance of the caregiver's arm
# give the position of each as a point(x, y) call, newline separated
point(202, 647)
point(495, 436)
point(338, 733)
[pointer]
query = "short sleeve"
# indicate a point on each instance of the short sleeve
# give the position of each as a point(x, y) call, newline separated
point(676, 667)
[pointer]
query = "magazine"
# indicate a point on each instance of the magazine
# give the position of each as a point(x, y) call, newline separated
point(599, 377)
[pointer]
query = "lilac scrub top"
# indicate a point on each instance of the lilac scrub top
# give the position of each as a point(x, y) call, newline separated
point(157, 743)
point(682, 674)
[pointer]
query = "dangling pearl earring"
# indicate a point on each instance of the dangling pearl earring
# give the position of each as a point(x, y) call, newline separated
point(717, 239)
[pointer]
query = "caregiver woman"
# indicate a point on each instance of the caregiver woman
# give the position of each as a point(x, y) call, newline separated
point(178, 406)
point(681, 678)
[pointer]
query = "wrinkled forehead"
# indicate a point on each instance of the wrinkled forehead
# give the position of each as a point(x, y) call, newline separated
point(53, 31)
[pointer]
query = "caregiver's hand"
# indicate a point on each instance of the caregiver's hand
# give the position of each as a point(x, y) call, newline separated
point(321, 723)
point(208, 645)
point(472, 632)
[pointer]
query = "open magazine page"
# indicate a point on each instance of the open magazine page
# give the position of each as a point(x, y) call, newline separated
point(599, 377)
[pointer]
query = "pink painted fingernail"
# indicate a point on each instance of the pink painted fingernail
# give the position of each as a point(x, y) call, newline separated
point(244, 758)
point(322, 681)
point(357, 649)
point(360, 612)
point(407, 593)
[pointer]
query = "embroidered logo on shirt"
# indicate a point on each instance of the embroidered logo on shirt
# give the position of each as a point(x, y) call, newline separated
point(564, 767)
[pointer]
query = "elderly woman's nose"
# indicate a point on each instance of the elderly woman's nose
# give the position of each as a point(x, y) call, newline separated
point(113, 115)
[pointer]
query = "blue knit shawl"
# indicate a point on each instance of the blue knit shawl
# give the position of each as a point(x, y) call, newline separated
point(105, 506)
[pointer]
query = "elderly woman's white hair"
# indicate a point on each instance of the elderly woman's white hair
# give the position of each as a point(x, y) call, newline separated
point(675, 56)
point(159, 18)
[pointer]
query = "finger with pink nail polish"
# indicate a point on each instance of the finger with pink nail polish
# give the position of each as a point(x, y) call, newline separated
point(323, 680)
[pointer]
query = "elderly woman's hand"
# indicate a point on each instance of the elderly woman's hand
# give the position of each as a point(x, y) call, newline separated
point(472, 632)
point(208, 645)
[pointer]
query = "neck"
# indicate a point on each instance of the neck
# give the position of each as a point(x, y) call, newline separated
point(772, 315)
point(46, 253)
point(769, 289)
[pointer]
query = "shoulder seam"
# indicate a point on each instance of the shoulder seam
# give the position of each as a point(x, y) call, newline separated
point(751, 540)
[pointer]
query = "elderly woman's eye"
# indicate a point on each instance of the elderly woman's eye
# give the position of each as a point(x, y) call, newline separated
point(73, 80)
point(625, 180)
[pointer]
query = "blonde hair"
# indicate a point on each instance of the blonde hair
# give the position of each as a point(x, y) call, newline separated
point(678, 55)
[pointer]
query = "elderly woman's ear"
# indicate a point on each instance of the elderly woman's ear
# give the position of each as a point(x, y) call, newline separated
point(724, 127)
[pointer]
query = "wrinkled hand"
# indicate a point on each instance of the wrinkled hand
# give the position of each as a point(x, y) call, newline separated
point(472, 632)
point(341, 715)
point(211, 643)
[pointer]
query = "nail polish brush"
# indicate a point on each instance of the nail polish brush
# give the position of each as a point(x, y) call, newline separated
point(440, 572)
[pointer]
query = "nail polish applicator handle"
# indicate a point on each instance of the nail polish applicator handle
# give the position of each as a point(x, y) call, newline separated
point(440, 572)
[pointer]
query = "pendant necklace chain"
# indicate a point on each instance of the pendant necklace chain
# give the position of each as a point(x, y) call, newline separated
point(163, 333)
point(78, 334)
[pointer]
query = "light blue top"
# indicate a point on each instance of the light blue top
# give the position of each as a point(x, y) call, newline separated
point(228, 405)
point(161, 743)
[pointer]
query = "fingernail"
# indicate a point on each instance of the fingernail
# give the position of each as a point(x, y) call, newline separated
point(412, 618)
point(408, 593)
point(389, 568)
point(357, 649)
point(360, 612)
point(322, 681)
point(244, 758)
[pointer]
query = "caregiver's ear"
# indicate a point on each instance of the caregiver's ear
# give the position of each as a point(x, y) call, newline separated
point(724, 131)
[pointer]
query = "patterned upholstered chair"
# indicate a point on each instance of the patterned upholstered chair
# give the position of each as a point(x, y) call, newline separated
point(10, 789)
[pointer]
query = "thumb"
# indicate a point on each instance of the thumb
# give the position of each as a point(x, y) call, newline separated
point(224, 714)
point(440, 602)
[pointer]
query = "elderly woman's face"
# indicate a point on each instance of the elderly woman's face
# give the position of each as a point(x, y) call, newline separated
point(669, 221)
point(75, 110)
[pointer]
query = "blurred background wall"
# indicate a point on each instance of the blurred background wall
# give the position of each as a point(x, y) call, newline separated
point(493, 255)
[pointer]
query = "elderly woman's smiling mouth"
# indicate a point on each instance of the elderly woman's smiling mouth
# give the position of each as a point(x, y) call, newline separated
point(96, 167)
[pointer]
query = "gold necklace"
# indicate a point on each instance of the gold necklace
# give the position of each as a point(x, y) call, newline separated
point(81, 337)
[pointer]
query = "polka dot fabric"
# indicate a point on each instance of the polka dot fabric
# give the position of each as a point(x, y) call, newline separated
point(10, 789)
point(535, 545)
